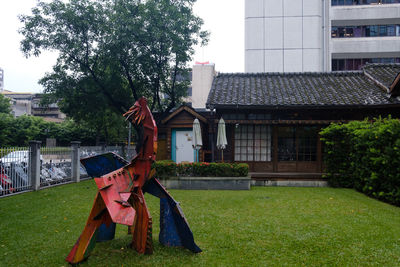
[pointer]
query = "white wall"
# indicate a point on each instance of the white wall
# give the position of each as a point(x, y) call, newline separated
point(371, 45)
point(202, 78)
point(21, 107)
point(279, 35)
point(364, 14)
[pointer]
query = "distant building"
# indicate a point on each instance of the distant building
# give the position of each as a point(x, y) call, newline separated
point(21, 103)
point(29, 104)
point(49, 113)
point(320, 35)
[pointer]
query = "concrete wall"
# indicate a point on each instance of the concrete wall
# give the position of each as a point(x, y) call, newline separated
point(207, 183)
point(202, 78)
point(367, 47)
point(365, 15)
point(21, 107)
point(294, 35)
point(283, 36)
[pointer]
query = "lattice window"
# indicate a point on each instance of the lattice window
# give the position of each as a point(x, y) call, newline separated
point(287, 150)
point(253, 143)
point(307, 144)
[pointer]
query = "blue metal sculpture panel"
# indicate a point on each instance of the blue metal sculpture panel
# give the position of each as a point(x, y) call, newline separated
point(100, 165)
point(174, 229)
point(168, 233)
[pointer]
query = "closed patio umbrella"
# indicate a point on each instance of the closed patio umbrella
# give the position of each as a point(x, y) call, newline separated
point(197, 143)
point(221, 137)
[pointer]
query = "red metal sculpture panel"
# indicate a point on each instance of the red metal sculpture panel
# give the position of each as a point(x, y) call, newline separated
point(120, 197)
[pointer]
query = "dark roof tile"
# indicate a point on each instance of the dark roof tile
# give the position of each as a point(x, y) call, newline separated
point(304, 89)
point(382, 73)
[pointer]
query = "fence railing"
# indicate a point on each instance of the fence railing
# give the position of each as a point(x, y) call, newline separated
point(14, 170)
point(35, 167)
point(55, 165)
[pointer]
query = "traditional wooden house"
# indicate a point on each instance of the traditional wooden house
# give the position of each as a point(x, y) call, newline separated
point(273, 119)
point(175, 135)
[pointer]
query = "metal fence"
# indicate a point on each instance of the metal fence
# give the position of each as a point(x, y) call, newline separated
point(55, 166)
point(14, 164)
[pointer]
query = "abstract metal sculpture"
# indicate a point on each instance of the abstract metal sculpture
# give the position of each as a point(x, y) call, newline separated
point(121, 186)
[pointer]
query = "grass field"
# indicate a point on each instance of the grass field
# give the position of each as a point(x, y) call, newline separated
point(269, 226)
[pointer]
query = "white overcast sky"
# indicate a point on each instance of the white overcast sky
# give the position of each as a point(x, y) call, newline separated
point(223, 18)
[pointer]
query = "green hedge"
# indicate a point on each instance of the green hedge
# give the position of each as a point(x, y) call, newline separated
point(365, 155)
point(167, 168)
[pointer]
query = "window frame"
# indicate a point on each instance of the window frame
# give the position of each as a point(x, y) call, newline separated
point(246, 137)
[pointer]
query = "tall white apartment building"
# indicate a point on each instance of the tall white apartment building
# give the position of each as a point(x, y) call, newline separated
point(320, 35)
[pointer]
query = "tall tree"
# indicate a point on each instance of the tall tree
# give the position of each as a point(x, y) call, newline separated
point(5, 106)
point(111, 52)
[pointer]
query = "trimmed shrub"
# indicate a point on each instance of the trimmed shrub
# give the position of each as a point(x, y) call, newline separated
point(365, 155)
point(166, 168)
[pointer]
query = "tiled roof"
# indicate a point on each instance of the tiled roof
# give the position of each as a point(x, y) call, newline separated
point(382, 73)
point(297, 89)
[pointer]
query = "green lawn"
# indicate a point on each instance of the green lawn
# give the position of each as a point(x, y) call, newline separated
point(269, 226)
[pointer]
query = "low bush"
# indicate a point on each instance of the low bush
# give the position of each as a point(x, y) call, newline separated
point(365, 155)
point(167, 168)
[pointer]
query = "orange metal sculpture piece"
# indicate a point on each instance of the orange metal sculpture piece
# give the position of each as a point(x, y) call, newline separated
point(120, 195)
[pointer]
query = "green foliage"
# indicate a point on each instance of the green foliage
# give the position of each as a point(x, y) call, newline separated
point(5, 106)
point(167, 168)
point(164, 168)
point(19, 131)
point(6, 134)
point(365, 155)
point(111, 52)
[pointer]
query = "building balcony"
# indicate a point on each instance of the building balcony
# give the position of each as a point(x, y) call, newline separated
point(365, 15)
point(367, 47)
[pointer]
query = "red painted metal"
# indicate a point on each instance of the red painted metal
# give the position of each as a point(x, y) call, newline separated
point(120, 195)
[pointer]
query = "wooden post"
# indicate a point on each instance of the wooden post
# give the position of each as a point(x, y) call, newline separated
point(275, 148)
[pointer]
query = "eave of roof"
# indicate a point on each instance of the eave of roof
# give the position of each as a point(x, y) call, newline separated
point(184, 108)
point(395, 87)
point(315, 90)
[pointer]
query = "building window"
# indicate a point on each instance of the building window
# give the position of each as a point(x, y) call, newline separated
point(308, 137)
point(362, 2)
point(287, 144)
point(253, 143)
point(358, 63)
point(365, 31)
point(297, 143)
